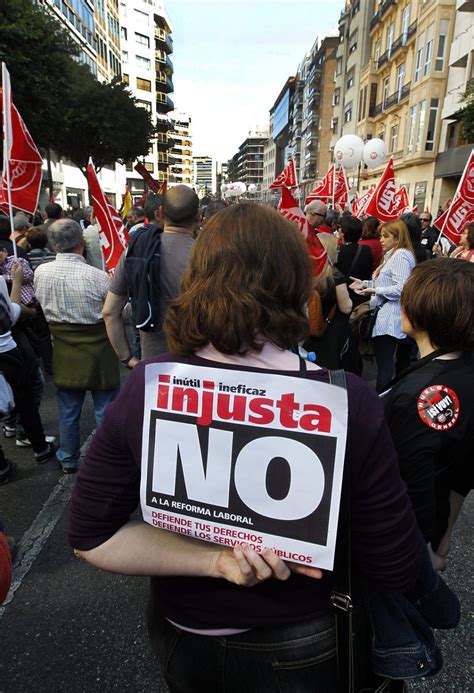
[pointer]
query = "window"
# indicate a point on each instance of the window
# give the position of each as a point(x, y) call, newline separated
point(125, 79)
point(443, 35)
point(337, 97)
point(125, 56)
point(142, 40)
point(143, 84)
point(393, 138)
point(386, 88)
point(348, 113)
point(149, 166)
point(335, 123)
point(144, 104)
point(123, 33)
point(405, 23)
point(400, 80)
point(350, 79)
point(141, 17)
point(419, 57)
point(390, 35)
point(429, 49)
point(142, 61)
point(378, 49)
point(411, 129)
point(353, 42)
point(421, 125)
point(362, 103)
point(430, 134)
point(339, 66)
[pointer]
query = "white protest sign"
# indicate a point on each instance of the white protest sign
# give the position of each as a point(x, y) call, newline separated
point(233, 456)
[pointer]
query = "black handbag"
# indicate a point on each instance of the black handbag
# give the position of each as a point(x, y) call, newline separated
point(366, 323)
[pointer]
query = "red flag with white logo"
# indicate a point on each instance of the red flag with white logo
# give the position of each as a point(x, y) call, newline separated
point(288, 206)
point(287, 177)
point(461, 210)
point(359, 204)
point(22, 162)
point(324, 189)
point(113, 234)
point(382, 203)
point(401, 203)
point(341, 191)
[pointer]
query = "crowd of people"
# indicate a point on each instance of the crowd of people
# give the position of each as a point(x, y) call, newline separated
point(231, 287)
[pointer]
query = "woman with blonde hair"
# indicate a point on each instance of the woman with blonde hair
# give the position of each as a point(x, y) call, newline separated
point(392, 352)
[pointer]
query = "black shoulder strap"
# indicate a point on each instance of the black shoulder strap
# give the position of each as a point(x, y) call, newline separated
point(341, 595)
point(356, 257)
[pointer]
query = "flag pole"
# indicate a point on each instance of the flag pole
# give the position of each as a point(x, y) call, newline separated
point(6, 150)
point(455, 196)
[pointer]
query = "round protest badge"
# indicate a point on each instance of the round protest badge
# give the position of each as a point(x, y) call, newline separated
point(438, 407)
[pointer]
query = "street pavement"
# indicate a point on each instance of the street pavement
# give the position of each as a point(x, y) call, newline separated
point(69, 627)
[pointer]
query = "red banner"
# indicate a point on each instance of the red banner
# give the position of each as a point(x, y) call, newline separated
point(113, 234)
point(287, 177)
point(341, 191)
point(324, 189)
point(401, 203)
point(158, 188)
point(360, 203)
point(288, 206)
point(382, 202)
point(20, 155)
point(461, 210)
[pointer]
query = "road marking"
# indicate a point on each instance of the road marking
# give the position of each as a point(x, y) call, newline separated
point(33, 540)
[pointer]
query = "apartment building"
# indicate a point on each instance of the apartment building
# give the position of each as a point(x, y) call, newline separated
point(204, 175)
point(352, 54)
point(281, 116)
point(107, 31)
point(146, 45)
point(453, 150)
point(269, 163)
point(402, 88)
point(180, 141)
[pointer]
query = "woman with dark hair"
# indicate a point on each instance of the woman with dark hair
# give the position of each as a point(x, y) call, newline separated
point(465, 251)
point(371, 238)
point(430, 407)
point(223, 618)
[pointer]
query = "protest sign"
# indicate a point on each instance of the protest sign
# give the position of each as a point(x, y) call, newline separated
point(234, 457)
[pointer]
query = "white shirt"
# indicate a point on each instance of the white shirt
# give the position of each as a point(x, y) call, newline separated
point(71, 291)
point(7, 343)
point(389, 284)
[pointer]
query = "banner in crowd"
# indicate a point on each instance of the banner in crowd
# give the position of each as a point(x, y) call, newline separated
point(157, 188)
point(22, 162)
point(382, 200)
point(341, 191)
point(461, 210)
point(359, 204)
point(290, 209)
point(324, 189)
point(287, 177)
point(235, 457)
point(401, 205)
point(113, 234)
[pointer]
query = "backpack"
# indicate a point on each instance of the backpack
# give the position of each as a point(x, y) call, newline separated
point(317, 322)
point(142, 270)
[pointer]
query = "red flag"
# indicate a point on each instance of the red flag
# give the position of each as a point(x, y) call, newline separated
point(461, 210)
point(401, 203)
point(324, 189)
point(20, 155)
point(359, 204)
point(113, 234)
point(149, 180)
point(415, 210)
point(286, 178)
point(290, 209)
point(381, 203)
point(341, 191)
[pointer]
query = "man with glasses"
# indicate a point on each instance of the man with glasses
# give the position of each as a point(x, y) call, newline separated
point(429, 235)
point(316, 216)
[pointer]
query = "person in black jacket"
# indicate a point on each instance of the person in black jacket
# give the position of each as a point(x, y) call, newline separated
point(414, 228)
point(5, 234)
point(354, 260)
point(430, 408)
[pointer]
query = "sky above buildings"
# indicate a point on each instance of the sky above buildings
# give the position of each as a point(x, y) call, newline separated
point(232, 57)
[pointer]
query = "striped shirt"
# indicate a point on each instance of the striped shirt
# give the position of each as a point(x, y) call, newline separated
point(70, 290)
point(388, 285)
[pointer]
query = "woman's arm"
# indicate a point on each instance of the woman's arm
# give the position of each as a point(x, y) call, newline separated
point(344, 302)
point(401, 265)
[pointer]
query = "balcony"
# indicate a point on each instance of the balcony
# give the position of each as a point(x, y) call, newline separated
point(163, 40)
point(390, 101)
point(383, 10)
point(164, 82)
point(163, 103)
point(164, 61)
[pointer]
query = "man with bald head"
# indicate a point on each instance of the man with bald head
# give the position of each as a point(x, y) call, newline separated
point(316, 215)
point(149, 273)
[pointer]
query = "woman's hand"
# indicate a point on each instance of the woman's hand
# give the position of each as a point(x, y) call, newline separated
point(245, 567)
point(17, 272)
point(360, 287)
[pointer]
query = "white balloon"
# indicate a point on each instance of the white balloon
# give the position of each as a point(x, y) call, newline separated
point(348, 151)
point(374, 153)
point(252, 188)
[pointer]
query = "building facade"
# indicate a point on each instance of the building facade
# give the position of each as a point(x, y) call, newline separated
point(107, 31)
point(204, 175)
point(402, 89)
point(453, 149)
point(181, 169)
point(247, 164)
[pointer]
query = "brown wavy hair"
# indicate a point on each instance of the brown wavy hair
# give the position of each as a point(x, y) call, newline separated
point(438, 298)
point(248, 282)
point(399, 230)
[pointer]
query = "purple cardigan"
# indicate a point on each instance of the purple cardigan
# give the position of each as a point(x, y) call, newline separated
point(386, 543)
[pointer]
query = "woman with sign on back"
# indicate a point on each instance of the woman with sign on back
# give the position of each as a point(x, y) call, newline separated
point(226, 616)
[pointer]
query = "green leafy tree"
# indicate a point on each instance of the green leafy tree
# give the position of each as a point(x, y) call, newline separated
point(466, 115)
